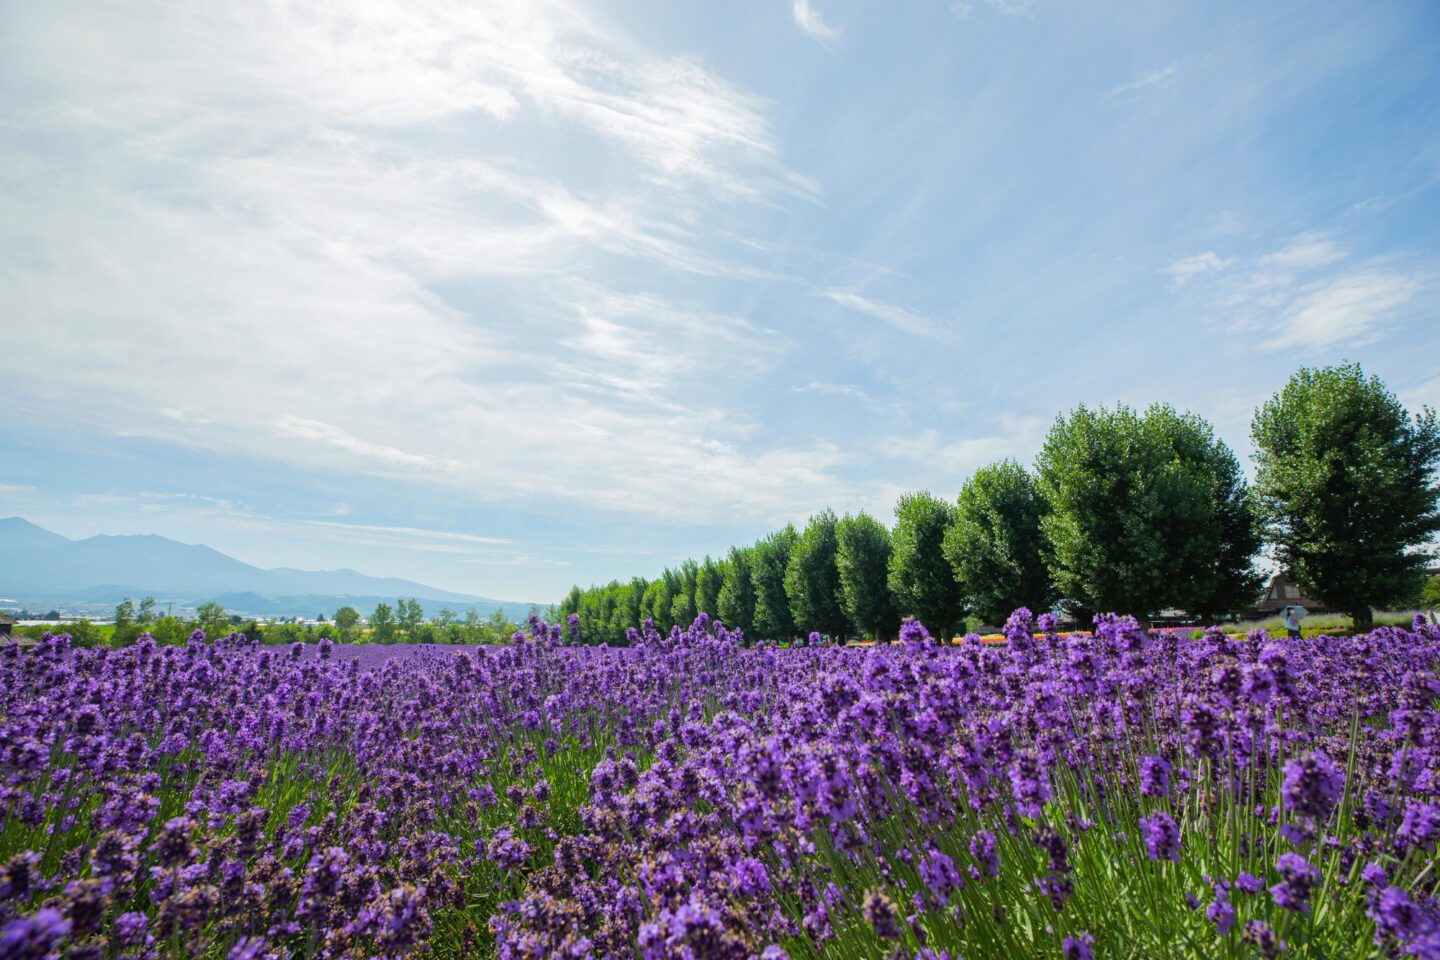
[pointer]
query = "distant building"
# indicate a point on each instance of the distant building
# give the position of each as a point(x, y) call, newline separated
point(5, 625)
point(1282, 593)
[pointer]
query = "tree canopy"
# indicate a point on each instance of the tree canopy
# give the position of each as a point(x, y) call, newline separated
point(920, 578)
point(1146, 512)
point(862, 560)
point(1346, 486)
point(770, 559)
point(812, 580)
point(737, 592)
point(993, 543)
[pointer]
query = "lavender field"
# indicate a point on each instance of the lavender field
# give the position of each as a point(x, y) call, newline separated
point(1117, 794)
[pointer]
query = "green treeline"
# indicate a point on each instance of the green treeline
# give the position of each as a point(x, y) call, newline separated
point(405, 622)
point(1123, 510)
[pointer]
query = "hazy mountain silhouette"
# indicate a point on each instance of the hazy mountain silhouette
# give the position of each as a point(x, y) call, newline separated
point(36, 564)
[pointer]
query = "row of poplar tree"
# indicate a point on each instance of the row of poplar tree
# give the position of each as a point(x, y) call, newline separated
point(1126, 511)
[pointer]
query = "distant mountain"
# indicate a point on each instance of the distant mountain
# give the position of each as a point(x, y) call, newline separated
point(41, 566)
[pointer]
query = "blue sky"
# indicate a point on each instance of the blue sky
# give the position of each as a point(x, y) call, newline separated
point(504, 296)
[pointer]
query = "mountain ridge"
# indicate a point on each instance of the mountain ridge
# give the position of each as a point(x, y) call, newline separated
point(40, 564)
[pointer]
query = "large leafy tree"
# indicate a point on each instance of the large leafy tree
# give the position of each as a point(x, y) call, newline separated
point(993, 543)
point(1346, 486)
point(1146, 512)
point(631, 600)
point(812, 582)
point(920, 578)
point(382, 624)
point(346, 619)
point(770, 558)
point(862, 561)
point(655, 604)
point(409, 615)
point(683, 608)
point(708, 579)
point(737, 592)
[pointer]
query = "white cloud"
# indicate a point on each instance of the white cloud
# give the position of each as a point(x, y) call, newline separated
point(1306, 252)
point(1014, 8)
point(410, 533)
point(835, 390)
point(187, 413)
point(965, 9)
point(1350, 307)
point(1185, 269)
point(1226, 223)
point(943, 462)
point(897, 317)
point(1158, 78)
point(808, 19)
point(1423, 393)
point(303, 429)
point(356, 239)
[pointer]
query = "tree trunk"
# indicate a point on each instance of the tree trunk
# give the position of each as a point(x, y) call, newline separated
point(1362, 620)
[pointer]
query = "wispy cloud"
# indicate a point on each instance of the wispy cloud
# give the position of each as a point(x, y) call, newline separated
point(1348, 308)
point(351, 206)
point(965, 9)
point(897, 317)
point(1306, 252)
point(835, 390)
point(848, 391)
point(1422, 393)
point(1158, 78)
point(808, 19)
point(1289, 294)
point(1185, 269)
point(952, 459)
point(303, 429)
point(410, 533)
point(1015, 8)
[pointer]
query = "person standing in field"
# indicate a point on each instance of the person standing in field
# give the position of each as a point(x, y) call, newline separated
point(1292, 624)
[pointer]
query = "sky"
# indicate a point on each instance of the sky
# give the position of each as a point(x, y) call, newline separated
point(503, 296)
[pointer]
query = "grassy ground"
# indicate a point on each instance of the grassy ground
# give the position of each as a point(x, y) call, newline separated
point(1332, 623)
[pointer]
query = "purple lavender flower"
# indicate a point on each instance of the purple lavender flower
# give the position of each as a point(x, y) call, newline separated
point(1420, 826)
point(1263, 937)
point(1398, 917)
point(940, 875)
point(879, 911)
point(1154, 777)
point(1298, 878)
point(1312, 787)
point(1161, 835)
point(1222, 914)
point(507, 850)
point(18, 876)
point(1249, 883)
point(1078, 947)
point(249, 948)
point(33, 937)
point(128, 929)
point(982, 848)
point(1028, 780)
